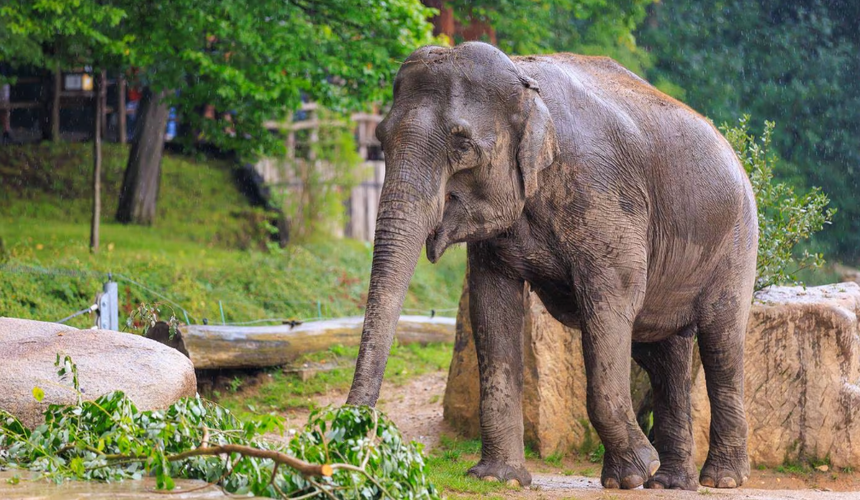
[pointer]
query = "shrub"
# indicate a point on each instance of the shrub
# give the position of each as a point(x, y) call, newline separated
point(784, 217)
point(349, 452)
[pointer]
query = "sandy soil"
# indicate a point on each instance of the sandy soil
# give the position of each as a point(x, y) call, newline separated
point(416, 407)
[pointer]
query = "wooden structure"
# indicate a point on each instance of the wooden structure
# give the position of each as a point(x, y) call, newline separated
point(56, 97)
point(300, 137)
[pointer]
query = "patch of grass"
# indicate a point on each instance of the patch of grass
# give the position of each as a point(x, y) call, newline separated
point(554, 459)
point(596, 456)
point(793, 468)
point(206, 246)
point(283, 391)
point(803, 466)
point(447, 466)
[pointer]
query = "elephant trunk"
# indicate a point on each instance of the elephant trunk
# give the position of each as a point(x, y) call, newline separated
point(402, 226)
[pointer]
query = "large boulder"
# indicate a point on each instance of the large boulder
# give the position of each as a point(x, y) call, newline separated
point(554, 413)
point(802, 377)
point(151, 374)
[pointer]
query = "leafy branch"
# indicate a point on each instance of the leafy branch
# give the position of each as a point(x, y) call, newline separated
point(785, 218)
point(349, 452)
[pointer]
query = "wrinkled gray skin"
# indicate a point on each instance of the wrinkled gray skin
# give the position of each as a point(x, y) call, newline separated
point(626, 211)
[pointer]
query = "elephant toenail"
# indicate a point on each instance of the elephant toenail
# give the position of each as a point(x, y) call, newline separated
point(727, 482)
point(611, 483)
point(708, 482)
point(490, 479)
point(632, 481)
point(513, 482)
point(653, 467)
point(656, 485)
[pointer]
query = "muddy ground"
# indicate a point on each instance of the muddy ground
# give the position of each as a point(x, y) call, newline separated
point(416, 407)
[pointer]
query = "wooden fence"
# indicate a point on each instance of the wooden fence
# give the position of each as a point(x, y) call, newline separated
point(286, 174)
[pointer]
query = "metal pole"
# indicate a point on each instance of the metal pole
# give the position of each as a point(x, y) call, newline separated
point(109, 306)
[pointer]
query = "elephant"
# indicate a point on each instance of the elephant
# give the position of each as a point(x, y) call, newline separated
point(627, 213)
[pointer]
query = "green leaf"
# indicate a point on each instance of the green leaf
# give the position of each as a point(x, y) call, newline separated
point(38, 394)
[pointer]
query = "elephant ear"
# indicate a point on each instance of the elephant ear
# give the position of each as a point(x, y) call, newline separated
point(538, 145)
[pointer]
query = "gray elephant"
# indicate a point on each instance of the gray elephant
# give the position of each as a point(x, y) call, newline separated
point(626, 211)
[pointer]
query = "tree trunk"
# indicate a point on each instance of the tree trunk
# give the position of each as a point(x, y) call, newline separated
point(139, 192)
point(122, 135)
point(51, 89)
point(99, 99)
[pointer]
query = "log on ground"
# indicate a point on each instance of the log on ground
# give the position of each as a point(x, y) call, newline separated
point(225, 346)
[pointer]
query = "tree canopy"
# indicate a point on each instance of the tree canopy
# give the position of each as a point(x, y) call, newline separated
point(252, 59)
point(794, 63)
point(592, 27)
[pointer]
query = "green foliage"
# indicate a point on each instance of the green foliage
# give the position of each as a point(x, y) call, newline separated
point(203, 248)
point(593, 27)
point(66, 32)
point(109, 439)
point(251, 58)
point(792, 62)
point(145, 316)
point(784, 217)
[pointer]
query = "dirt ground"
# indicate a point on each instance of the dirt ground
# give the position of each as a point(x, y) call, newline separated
point(416, 407)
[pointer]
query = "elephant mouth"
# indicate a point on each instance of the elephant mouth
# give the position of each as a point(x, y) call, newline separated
point(437, 242)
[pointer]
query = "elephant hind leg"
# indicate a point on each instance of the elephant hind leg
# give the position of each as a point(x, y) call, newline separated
point(721, 345)
point(667, 363)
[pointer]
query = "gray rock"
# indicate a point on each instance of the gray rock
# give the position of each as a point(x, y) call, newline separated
point(151, 374)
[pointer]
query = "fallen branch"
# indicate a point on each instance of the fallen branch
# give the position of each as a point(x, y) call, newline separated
point(307, 469)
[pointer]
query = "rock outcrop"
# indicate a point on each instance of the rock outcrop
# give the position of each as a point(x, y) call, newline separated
point(802, 374)
point(151, 374)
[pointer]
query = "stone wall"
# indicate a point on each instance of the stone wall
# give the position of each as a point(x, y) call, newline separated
point(802, 374)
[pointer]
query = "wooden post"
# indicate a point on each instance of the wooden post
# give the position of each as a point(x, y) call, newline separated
point(100, 84)
point(55, 104)
point(120, 109)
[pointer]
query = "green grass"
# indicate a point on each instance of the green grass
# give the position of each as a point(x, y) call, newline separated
point(448, 464)
point(206, 246)
point(284, 391)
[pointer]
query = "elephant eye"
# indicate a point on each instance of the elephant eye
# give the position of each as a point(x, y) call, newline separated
point(462, 144)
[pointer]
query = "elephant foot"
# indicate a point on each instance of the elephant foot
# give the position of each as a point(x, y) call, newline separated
point(628, 469)
point(489, 470)
point(680, 476)
point(725, 470)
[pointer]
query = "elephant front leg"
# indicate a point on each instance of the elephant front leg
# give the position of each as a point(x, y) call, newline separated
point(496, 309)
point(606, 339)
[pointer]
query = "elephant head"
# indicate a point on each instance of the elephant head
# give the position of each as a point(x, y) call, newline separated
point(464, 142)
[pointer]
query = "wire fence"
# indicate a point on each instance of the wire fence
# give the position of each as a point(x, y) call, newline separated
point(77, 273)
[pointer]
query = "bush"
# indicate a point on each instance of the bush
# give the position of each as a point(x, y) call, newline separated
point(784, 217)
point(350, 452)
